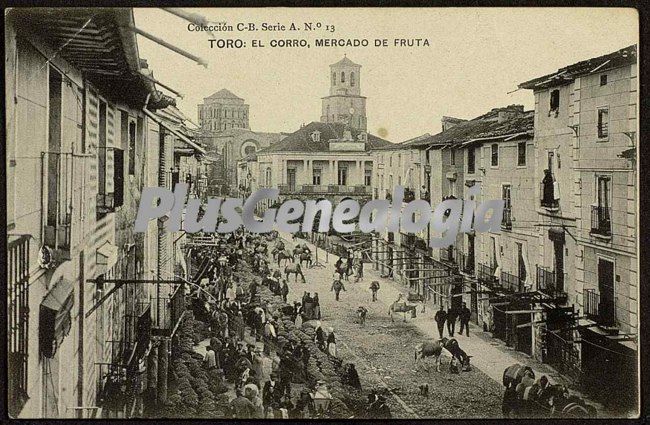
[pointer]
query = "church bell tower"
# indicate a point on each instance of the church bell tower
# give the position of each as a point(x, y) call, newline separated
point(345, 103)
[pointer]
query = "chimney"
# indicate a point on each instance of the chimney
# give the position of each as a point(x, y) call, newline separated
point(509, 112)
point(449, 122)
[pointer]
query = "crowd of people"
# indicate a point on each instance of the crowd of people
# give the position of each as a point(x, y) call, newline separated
point(450, 317)
point(260, 371)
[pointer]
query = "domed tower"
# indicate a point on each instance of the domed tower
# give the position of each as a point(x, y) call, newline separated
point(345, 103)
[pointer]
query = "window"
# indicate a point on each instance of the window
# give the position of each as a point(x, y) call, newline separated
point(267, 177)
point(603, 123)
point(506, 221)
point(495, 155)
point(343, 77)
point(248, 150)
point(555, 101)
point(603, 80)
point(333, 78)
point(521, 154)
point(105, 192)
point(368, 178)
point(352, 79)
point(343, 176)
point(390, 161)
point(118, 177)
point(132, 148)
point(471, 160)
point(453, 157)
point(316, 177)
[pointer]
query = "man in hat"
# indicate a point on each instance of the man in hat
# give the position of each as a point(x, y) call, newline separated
point(440, 318)
point(464, 316)
point(271, 393)
point(241, 407)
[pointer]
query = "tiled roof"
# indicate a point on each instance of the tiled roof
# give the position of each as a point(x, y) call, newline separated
point(345, 62)
point(224, 94)
point(625, 56)
point(484, 126)
point(300, 141)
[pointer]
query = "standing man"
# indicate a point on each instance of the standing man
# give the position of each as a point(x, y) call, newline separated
point(210, 359)
point(374, 287)
point(337, 286)
point(452, 315)
point(285, 290)
point(440, 318)
point(465, 315)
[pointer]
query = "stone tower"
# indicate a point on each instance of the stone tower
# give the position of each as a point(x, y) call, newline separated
point(345, 103)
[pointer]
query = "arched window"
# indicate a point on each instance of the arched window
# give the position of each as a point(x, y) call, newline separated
point(249, 150)
point(333, 78)
point(268, 177)
point(352, 79)
point(343, 77)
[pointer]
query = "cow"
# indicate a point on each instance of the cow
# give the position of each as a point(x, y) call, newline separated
point(434, 349)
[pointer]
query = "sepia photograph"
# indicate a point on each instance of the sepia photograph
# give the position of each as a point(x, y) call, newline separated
point(458, 186)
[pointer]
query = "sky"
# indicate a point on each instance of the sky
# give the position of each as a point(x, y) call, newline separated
point(476, 58)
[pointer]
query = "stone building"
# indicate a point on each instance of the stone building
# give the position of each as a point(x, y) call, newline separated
point(82, 141)
point(320, 160)
point(345, 103)
point(230, 146)
point(585, 138)
point(223, 110)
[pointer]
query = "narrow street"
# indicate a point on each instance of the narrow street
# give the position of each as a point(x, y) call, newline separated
point(384, 351)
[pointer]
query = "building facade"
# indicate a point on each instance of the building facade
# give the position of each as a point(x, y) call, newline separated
point(345, 103)
point(230, 146)
point(585, 134)
point(320, 160)
point(80, 148)
point(223, 110)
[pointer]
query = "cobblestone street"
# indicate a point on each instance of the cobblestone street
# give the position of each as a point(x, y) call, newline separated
point(384, 351)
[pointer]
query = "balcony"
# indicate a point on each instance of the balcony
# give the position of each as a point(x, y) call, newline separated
point(466, 263)
point(551, 283)
point(602, 312)
point(171, 311)
point(601, 223)
point(547, 195)
point(448, 254)
point(63, 177)
point(18, 322)
point(286, 189)
point(511, 283)
point(485, 273)
point(506, 221)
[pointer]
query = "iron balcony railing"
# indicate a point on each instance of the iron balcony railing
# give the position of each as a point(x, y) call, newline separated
point(506, 221)
point(466, 263)
point(511, 283)
point(63, 176)
point(18, 322)
point(601, 310)
point(171, 311)
point(485, 273)
point(448, 254)
point(601, 223)
point(551, 283)
point(286, 189)
point(547, 195)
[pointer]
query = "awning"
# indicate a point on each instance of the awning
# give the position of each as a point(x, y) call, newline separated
point(173, 131)
point(55, 319)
